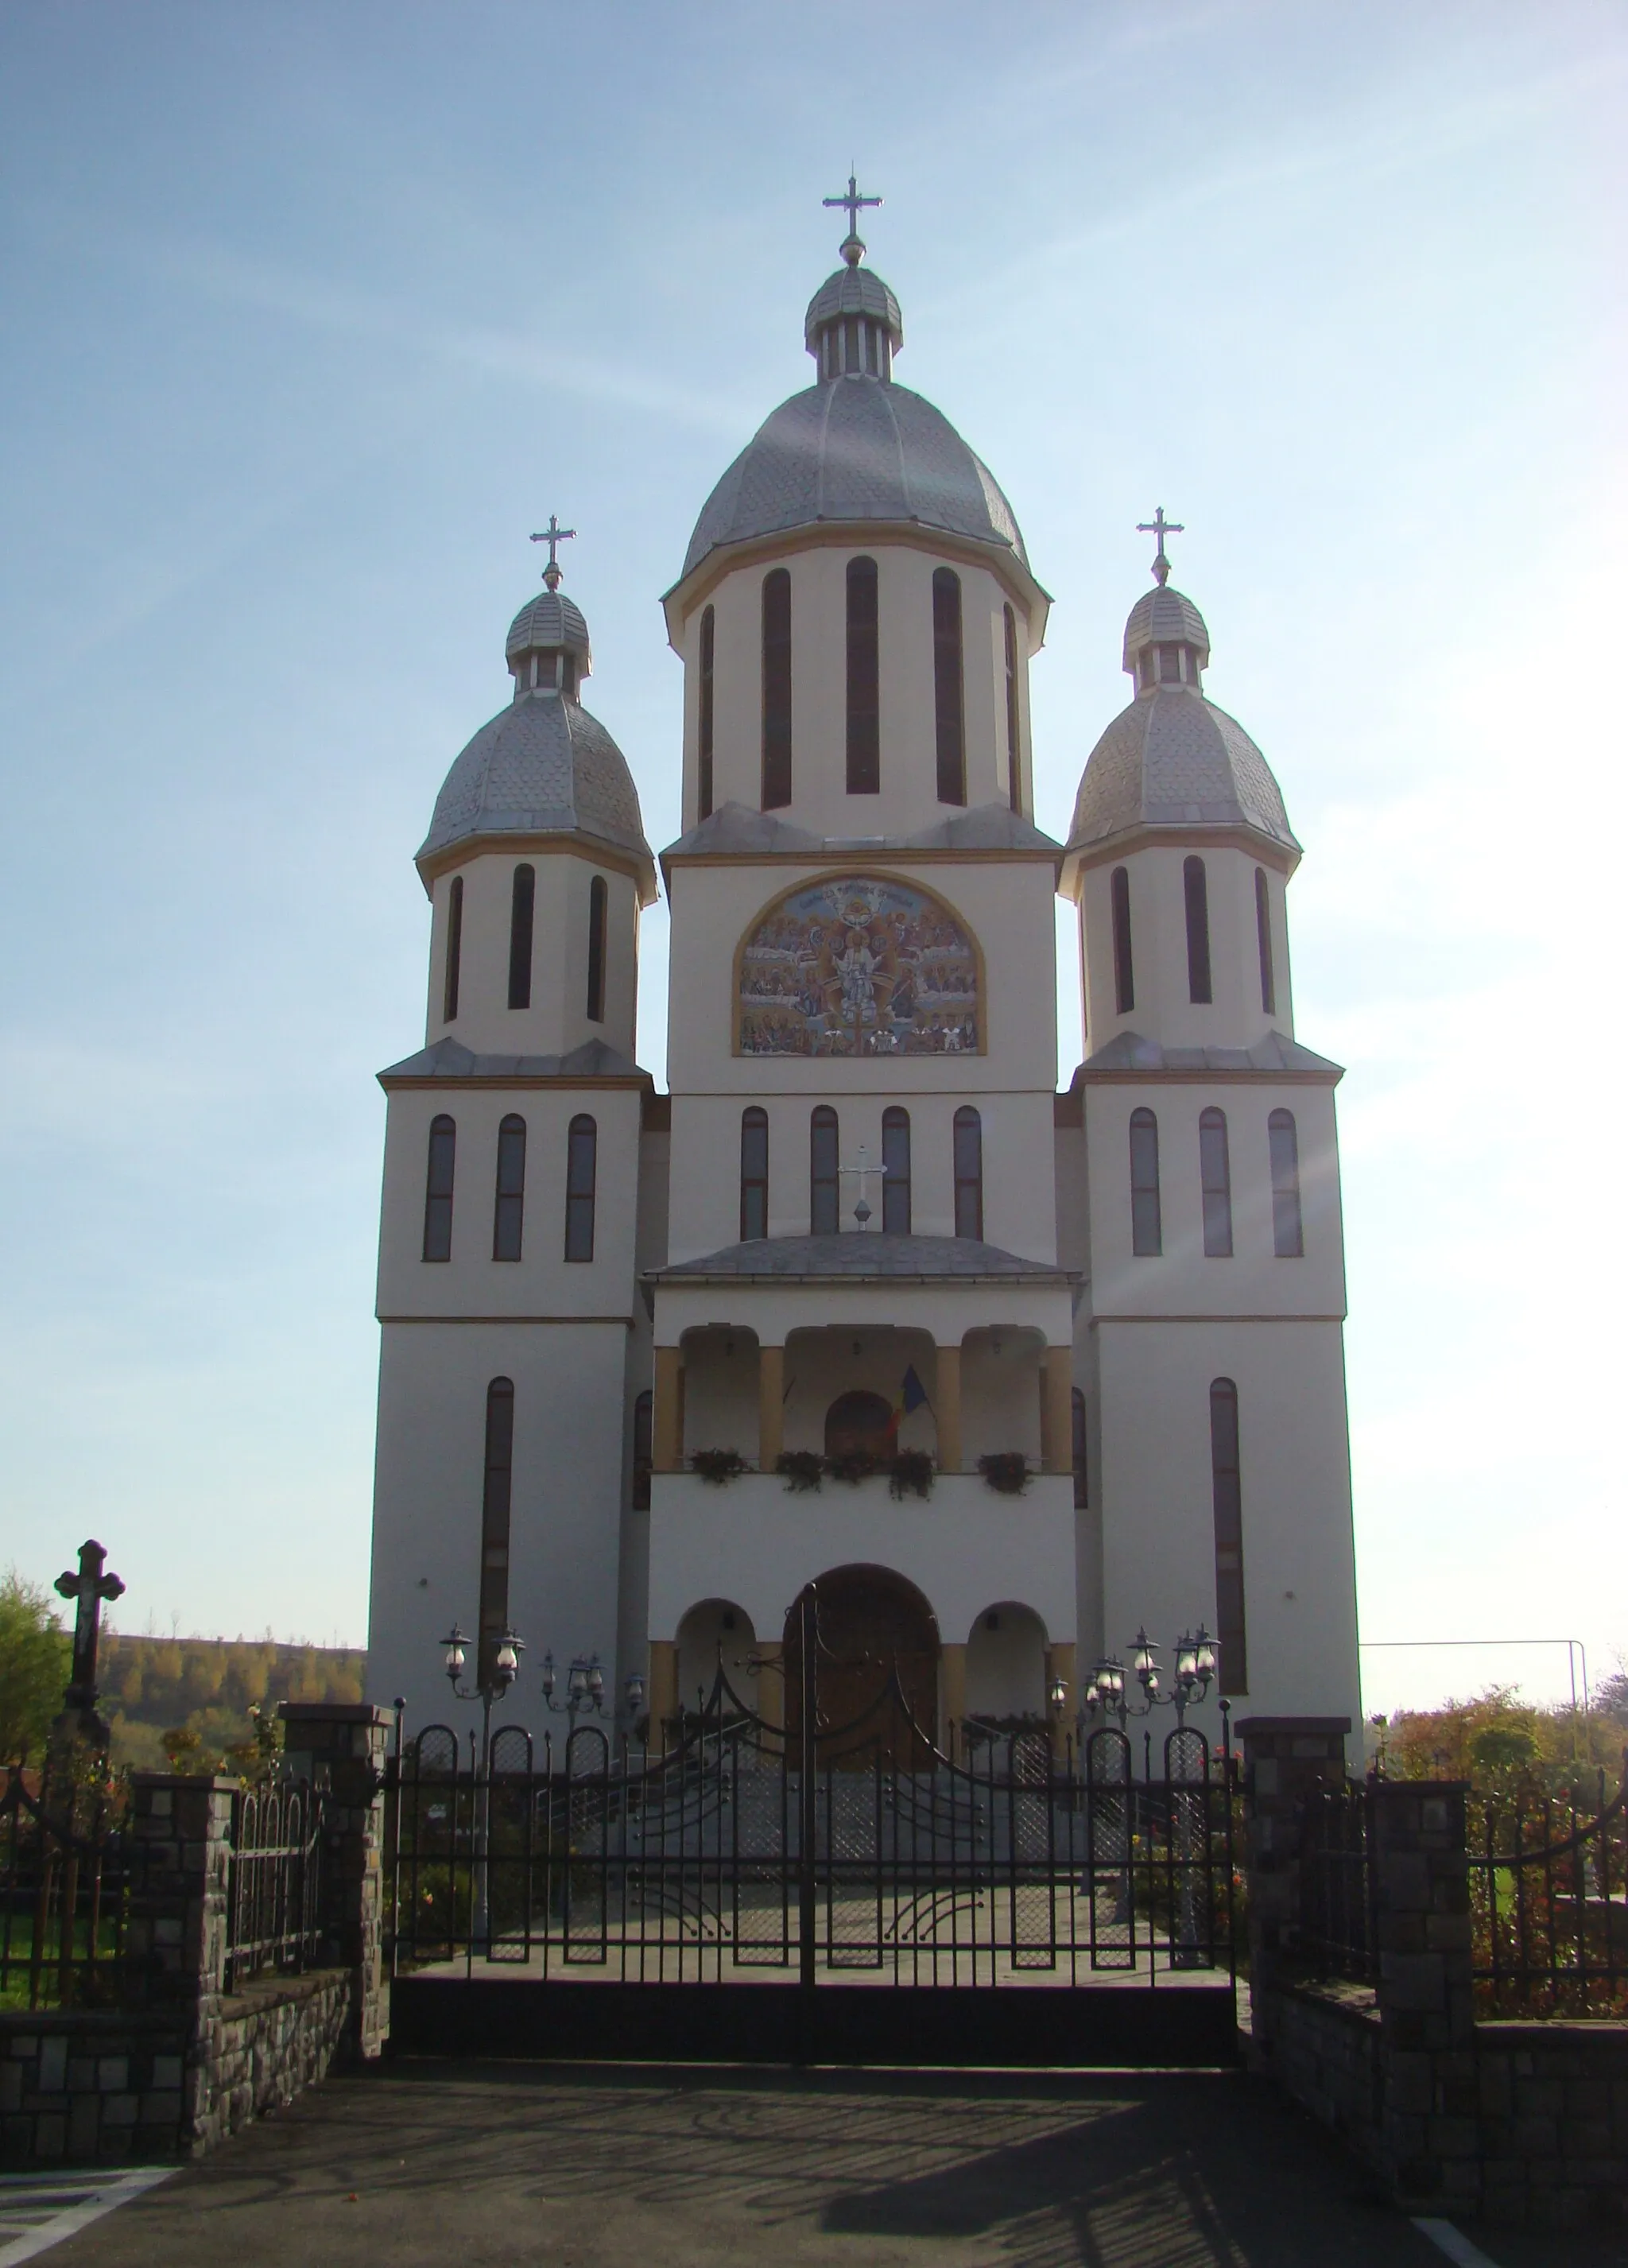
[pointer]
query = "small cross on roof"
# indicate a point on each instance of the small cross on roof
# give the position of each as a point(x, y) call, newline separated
point(1161, 527)
point(852, 204)
point(554, 535)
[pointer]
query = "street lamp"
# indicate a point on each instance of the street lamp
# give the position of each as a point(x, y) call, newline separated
point(585, 1688)
point(490, 1685)
point(1196, 1653)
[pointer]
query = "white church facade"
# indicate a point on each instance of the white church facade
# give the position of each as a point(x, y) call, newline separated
point(863, 1222)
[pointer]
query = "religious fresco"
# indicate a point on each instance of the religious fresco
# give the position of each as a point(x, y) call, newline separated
point(858, 964)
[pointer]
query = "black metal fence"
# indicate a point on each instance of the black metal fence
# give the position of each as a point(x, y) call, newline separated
point(63, 1878)
point(275, 1893)
point(1337, 1933)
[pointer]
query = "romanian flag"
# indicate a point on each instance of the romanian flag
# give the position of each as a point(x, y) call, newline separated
point(911, 1396)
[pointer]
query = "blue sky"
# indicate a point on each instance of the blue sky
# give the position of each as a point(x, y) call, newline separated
point(315, 313)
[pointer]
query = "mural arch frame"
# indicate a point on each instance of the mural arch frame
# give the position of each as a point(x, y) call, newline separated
point(891, 901)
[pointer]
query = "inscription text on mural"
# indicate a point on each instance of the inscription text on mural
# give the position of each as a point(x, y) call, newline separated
point(859, 965)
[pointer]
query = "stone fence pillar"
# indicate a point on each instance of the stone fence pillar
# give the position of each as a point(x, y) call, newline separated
point(1430, 2108)
point(180, 1831)
point(340, 1747)
point(1285, 1760)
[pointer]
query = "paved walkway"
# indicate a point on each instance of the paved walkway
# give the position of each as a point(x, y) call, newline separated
point(501, 2166)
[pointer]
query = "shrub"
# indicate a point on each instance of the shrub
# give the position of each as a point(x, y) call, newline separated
point(1006, 1471)
point(801, 1469)
point(717, 1466)
point(910, 1474)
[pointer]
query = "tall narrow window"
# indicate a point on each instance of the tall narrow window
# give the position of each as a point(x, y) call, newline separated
point(1195, 889)
point(1227, 1490)
point(949, 705)
point(968, 1140)
point(1082, 1493)
point(522, 906)
point(455, 949)
point(754, 1173)
point(864, 761)
point(1015, 758)
point(438, 1189)
point(599, 905)
point(497, 1491)
point(1124, 979)
point(1216, 1184)
point(581, 1167)
point(896, 1171)
point(776, 689)
point(1288, 1239)
point(509, 1207)
point(824, 1179)
point(1148, 1235)
point(1263, 940)
point(703, 721)
point(644, 1441)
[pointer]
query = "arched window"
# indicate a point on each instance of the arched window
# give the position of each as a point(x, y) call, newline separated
point(522, 906)
point(1195, 889)
point(776, 689)
point(949, 709)
point(1226, 1488)
point(865, 763)
point(1263, 940)
point(1014, 756)
point(497, 1491)
point(704, 729)
point(1147, 1236)
point(1288, 1239)
point(599, 904)
point(754, 1173)
point(1082, 1493)
point(1216, 1183)
point(455, 949)
point(581, 1167)
point(896, 1171)
point(644, 1438)
point(1124, 979)
point(824, 1180)
point(438, 1189)
point(968, 1139)
point(509, 1204)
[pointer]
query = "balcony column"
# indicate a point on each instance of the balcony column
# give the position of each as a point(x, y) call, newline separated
point(1056, 1410)
point(770, 1681)
point(947, 1407)
point(952, 1696)
point(771, 1406)
point(663, 1690)
point(667, 1423)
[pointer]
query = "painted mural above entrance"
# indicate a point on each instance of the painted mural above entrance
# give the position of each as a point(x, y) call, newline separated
point(858, 964)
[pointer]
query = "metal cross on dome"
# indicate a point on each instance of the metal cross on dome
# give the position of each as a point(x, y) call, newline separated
point(554, 535)
point(861, 1172)
point(852, 204)
point(1161, 527)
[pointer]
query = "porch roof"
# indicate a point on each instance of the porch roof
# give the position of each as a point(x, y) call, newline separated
point(884, 1255)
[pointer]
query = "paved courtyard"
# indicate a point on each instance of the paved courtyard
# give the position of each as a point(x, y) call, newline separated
point(499, 2166)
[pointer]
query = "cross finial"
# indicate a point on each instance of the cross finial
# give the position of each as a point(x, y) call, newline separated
point(87, 1588)
point(852, 204)
point(1161, 527)
point(861, 1172)
point(554, 535)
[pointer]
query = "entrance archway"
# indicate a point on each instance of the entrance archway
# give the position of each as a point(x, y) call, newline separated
point(871, 1624)
point(858, 1425)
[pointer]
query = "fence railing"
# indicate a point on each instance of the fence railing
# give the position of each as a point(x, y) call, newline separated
point(64, 1863)
point(275, 1897)
point(1337, 1932)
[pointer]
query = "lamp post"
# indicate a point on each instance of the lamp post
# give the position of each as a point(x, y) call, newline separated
point(490, 1686)
point(585, 1691)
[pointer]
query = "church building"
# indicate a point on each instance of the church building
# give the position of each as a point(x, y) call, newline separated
point(863, 1301)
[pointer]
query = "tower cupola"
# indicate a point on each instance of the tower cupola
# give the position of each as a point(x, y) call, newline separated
point(853, 327)
point(547, 648)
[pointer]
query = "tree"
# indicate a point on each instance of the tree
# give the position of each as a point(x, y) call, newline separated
point(34, 1661)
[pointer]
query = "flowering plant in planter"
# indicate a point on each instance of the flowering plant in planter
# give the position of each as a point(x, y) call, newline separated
point(801, 1469)
point(717, 1466)
point(1006, 1471)
point(854, 1465)
point(910, 1474)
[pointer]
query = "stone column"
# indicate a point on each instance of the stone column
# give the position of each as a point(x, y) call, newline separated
point(771, 1406)
point(1056, 1411)
point(947, 1407)
point(339, 1747)
point(662, 1690)
point(952, 1694)
point(1285, 1758)
point(667, 1422)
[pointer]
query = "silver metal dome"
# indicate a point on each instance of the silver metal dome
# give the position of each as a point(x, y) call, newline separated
point(1174, 759)
point(853, 292)
point(542, 766)
point(548, 623)
point(1167, 617)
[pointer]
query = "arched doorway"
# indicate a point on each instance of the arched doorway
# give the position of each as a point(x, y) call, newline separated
point(858, 1425)
point(871, 1624)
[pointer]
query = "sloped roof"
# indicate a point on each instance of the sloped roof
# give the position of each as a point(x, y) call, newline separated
point(882, 1254)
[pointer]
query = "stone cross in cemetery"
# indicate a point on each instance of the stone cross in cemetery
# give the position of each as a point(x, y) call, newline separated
point(87, 1588)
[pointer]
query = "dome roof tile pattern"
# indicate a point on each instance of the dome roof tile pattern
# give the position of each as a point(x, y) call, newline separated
point(1164, 615)
point(853, 292)
point(541, 766)
point(547, 621)
point(1174, 759)
point(855, 449)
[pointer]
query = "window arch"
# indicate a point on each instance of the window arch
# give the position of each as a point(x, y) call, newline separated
point(454, 950)
point(754, 1173)
point(1263, 940)
point(1124, 978)
point(1216, 1184)
point(704, 720)
point(777, 644)
point(896, 1171)
point(438, 1189)
point(1082, 1491)
point(643, 1447)
point(581, 1171)
point(599, 909)
point(1195, 890)
point(865, 777)
point(949, 701)
point(1227, 1489)
point(509, 1204)
point(1015, 746)
point(522, 908)
point(497, 1492)
point(906, 978)
point(824, 1178)
point(1147, 1239)
point(969, 1150)
point(1288, 1234)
